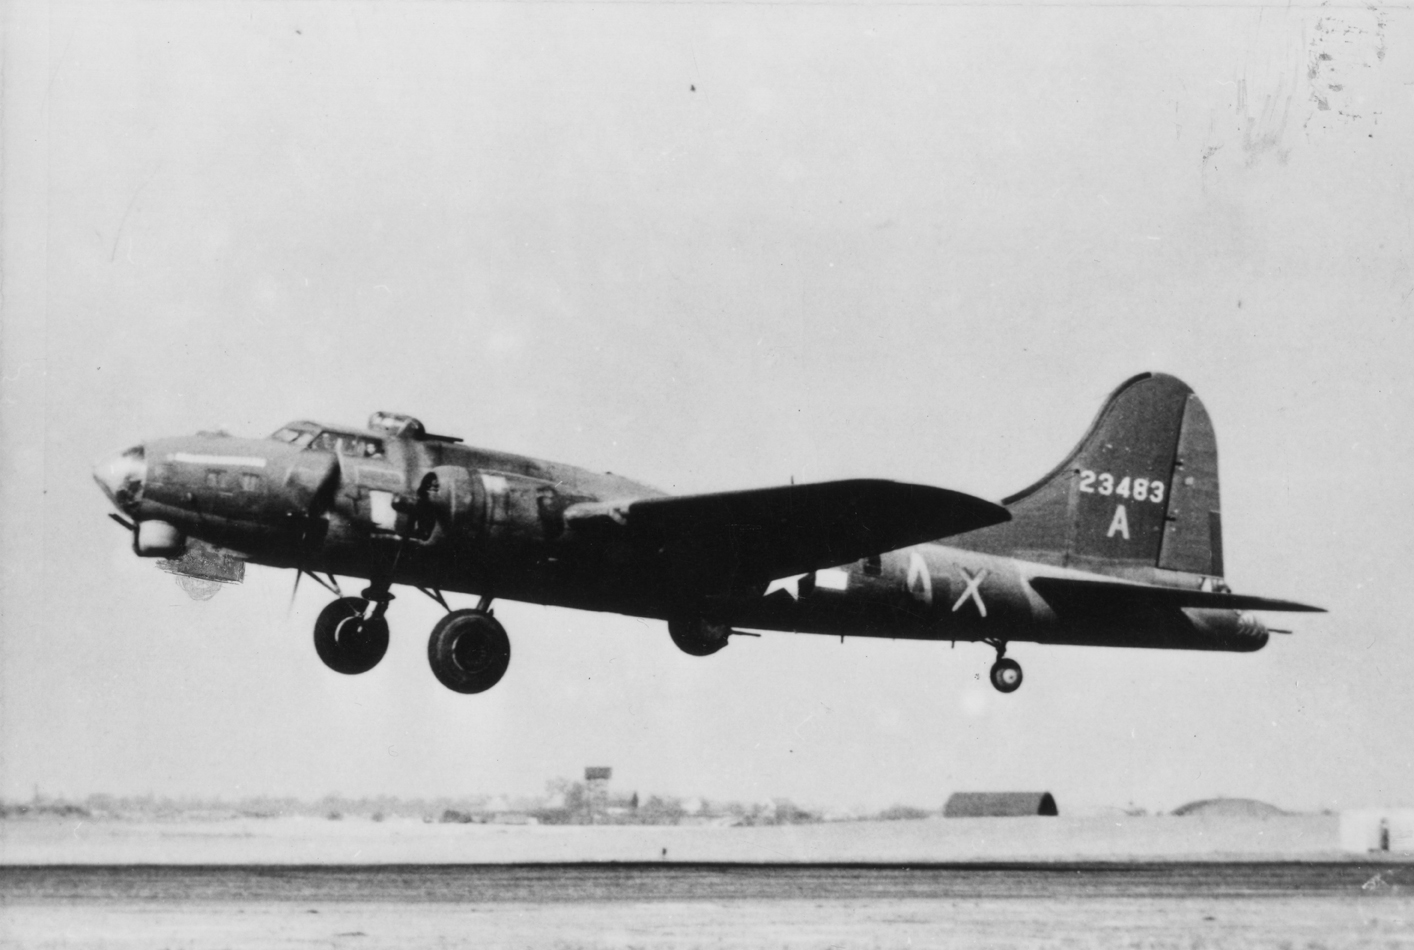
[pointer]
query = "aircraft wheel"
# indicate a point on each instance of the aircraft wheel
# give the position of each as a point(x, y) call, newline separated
point(469, 651)
point(1006, 675)
point(348, 642)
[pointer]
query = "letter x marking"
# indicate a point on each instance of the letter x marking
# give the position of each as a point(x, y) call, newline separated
point(973, 591)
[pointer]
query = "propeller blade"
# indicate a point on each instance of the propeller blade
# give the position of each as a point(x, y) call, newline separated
point(123, 521)
point(291, 606)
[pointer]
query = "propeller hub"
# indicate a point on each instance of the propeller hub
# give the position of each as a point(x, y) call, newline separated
point(121, 478)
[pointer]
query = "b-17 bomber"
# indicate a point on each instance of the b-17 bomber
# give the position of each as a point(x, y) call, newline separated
point(1120, 545)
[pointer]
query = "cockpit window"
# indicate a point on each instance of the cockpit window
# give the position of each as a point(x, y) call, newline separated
point(300, 438)
point(345, 443)
point(326, 442)
point(303, 435)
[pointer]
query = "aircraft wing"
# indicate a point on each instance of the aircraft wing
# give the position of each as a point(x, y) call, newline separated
point(738, 540)
point(1096, 597)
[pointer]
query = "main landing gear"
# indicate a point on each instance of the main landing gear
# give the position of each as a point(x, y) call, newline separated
point(468, 650)
point(348, 638)
point(1006, 674)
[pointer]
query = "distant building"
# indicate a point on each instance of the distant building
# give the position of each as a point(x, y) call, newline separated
point(596, 788)
point(1229, 808)
point(999, 805)
point(1377, 829)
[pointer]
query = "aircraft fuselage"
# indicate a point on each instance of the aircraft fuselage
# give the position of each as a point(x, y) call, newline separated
point(1133, 562)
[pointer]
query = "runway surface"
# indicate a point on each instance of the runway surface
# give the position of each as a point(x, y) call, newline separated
point(706, 882)
point(683, 907)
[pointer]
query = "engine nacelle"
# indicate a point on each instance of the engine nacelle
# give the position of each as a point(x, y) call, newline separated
point(158, 539)
point(457, 500)
point(698, 637)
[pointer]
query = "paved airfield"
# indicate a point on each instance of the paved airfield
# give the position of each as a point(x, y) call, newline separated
point(1090, 882)
point(1270, 904)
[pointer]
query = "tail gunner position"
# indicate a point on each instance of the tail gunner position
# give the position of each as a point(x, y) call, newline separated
point(1119, 545)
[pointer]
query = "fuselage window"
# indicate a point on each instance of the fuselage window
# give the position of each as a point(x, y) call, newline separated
point(873, 565)
point(213, 478)
point(250, 481)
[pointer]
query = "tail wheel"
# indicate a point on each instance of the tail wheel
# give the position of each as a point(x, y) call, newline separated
point(1006, 675)
point(469, 651)
point(348, 642)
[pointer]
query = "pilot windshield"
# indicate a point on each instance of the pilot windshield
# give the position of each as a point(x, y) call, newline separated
point(300, 438)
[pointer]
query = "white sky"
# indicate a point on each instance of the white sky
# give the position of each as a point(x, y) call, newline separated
point(709, 246)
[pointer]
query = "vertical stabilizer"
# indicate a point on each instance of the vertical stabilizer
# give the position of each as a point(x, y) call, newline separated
point(1140, 490)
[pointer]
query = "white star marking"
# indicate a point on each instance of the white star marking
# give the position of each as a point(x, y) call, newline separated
point(791, 585)
point(973, 591)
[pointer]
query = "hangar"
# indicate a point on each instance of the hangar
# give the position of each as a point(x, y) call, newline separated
point(1228, 808)
point(999, 805)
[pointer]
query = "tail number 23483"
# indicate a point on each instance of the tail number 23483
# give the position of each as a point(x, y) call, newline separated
point(1140, 489)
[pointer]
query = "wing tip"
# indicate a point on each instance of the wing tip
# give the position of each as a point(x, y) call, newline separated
point(1302, 609)
point(1281, 606)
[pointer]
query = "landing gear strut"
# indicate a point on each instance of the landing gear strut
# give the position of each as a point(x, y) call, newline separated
point(1006, 674)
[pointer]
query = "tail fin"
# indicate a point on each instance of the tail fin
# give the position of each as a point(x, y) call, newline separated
point(1140, 490)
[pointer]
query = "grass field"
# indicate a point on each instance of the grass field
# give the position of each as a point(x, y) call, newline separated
point(357, 841)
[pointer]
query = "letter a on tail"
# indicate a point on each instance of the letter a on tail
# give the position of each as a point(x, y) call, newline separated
point(919, 583)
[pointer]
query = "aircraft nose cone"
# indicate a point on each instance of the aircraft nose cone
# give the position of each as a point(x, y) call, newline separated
point(121, 477)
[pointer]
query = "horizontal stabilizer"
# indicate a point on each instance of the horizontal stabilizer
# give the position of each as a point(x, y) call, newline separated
point(1066, 593)
point(740, 539)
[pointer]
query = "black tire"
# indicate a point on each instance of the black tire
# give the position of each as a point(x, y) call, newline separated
point(469, 651)
point(696, 637)
point(345, 641)
point(1006, 675)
